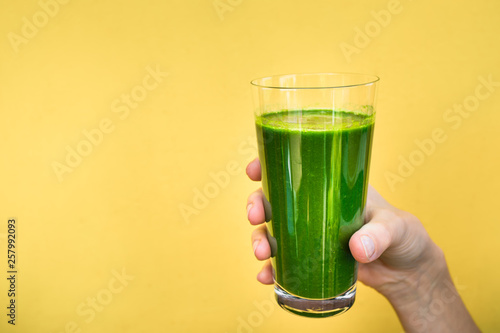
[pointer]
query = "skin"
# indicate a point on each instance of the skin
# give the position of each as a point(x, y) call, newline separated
point(397, 258)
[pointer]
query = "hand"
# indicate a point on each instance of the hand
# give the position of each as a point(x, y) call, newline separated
point(390, 247)
point(396, 255)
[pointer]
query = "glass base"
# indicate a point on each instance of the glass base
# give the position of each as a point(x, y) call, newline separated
point(318, 308)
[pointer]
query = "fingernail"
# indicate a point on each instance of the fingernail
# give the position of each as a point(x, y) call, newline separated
point(368, 246)
point(255, 245)
point(249, 207)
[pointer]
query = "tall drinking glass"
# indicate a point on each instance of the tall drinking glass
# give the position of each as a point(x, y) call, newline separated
point(314, 134)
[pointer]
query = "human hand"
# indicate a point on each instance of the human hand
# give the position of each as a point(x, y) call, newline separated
point(396, 255)
point(391, 247)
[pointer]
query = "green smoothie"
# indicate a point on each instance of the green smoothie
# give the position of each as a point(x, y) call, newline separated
point(315, 176)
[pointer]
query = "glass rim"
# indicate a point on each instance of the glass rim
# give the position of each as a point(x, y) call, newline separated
point(368, 80)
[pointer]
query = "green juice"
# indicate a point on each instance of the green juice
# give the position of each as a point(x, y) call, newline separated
point(315, 176)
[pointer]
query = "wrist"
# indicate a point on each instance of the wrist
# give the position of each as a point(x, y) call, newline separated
point(430, 301)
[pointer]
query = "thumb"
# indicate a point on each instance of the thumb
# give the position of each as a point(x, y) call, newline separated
point(368, 243)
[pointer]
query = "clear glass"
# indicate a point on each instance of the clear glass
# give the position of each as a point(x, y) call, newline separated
point(314, 134)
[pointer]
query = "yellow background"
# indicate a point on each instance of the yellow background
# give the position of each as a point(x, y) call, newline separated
point(120, 209)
